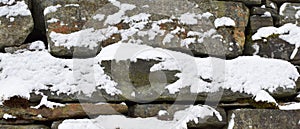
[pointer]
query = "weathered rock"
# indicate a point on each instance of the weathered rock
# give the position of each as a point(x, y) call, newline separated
point(247, 2)
point(263, 119)
point(257, 22)
point(24, 127)
point(133, 79)
point(262, 11)
point(282, 1)
point(67, 98)
point(271, 4)
point(69, 17)
point(69, 111)
point(15, 23)
point(152, 110)
point(171, 30)
point(290, 13)
point(275, 47)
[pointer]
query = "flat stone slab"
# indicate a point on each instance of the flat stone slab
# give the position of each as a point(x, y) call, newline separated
point(68, 111)
point(263, 119)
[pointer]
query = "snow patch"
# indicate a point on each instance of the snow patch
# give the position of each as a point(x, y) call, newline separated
point(49, 104)
point(89, 38)
point(288, 32)
point(290, 106)
point(18, 9)
point(51, 9)
point(231, 122)
point(8, 116)
point(263, 96)
point(224, 21)
point(99, 17)
point(193, 113)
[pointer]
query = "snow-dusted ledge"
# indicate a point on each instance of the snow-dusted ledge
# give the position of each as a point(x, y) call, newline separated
point(288, 32)
point(28, 71)
point(181, 118)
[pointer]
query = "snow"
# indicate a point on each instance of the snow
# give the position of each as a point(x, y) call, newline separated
point(242, 74)
point(117, 17)
point(52, 20)
point(49, 104)
point(266, 14)
point(224, 21)
point(37, 45)
point(273, 5)
point(192, 18)
point(162, 112)
point(188, 18)
point(117, 121)
point(283, 7)
point(26, 72)
point(8, 116)
point(51, 9)
point(290, 106)
point(263, 96)
point(288, 32)
point(99, 17)
point(89, 38)
point(231, 122)
point(72, 5)
point(18, 9)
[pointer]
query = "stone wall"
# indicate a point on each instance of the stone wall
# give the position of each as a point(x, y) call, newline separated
point(226, 29)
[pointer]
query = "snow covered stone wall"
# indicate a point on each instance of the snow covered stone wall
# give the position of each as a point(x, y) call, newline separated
point(145, 64)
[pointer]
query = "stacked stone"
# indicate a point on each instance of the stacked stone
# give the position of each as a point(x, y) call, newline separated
point(67, 17)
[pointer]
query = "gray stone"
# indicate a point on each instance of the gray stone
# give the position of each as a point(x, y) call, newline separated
point(24, 127)
point(261, 11)
point(271, 4)
point(275, 47)
point(152, 110)
point(69, 18)
point(288, 11)
point(247, 2)
point(264, 119)
point(257, 22)
point(135, 86)
point(14, 28)
point(232, 38)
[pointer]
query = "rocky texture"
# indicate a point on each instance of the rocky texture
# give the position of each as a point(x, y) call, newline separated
point(290, 13)
point(24, 127)
point(264, 119)
point(153, 110)
point(247, 2)
point(65, 112)
point(257, 22)
point(15, 23)
point(69, 17)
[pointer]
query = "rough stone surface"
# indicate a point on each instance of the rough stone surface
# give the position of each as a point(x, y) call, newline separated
point(14, 28)
point(24, 127)
point(264, 119)
point(70, 17)
point(152, 110)
point(69, 111)
point(257, 22)
point(274, 47)
point(247, 2)
point(289, 14)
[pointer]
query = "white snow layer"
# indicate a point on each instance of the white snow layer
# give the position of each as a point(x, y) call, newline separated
point(51, 9)
point(264, 96)
point(49, 104)
point(249, 74)
point(18, 9)
point(224, 21)
point(290, 106)
point(8, 116)
point(181, 118)
point(288, 32)
point(25, 72)
point(231, 122)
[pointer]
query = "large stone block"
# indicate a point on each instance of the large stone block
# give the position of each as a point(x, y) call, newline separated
point(263, 119)
point(16, 23)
